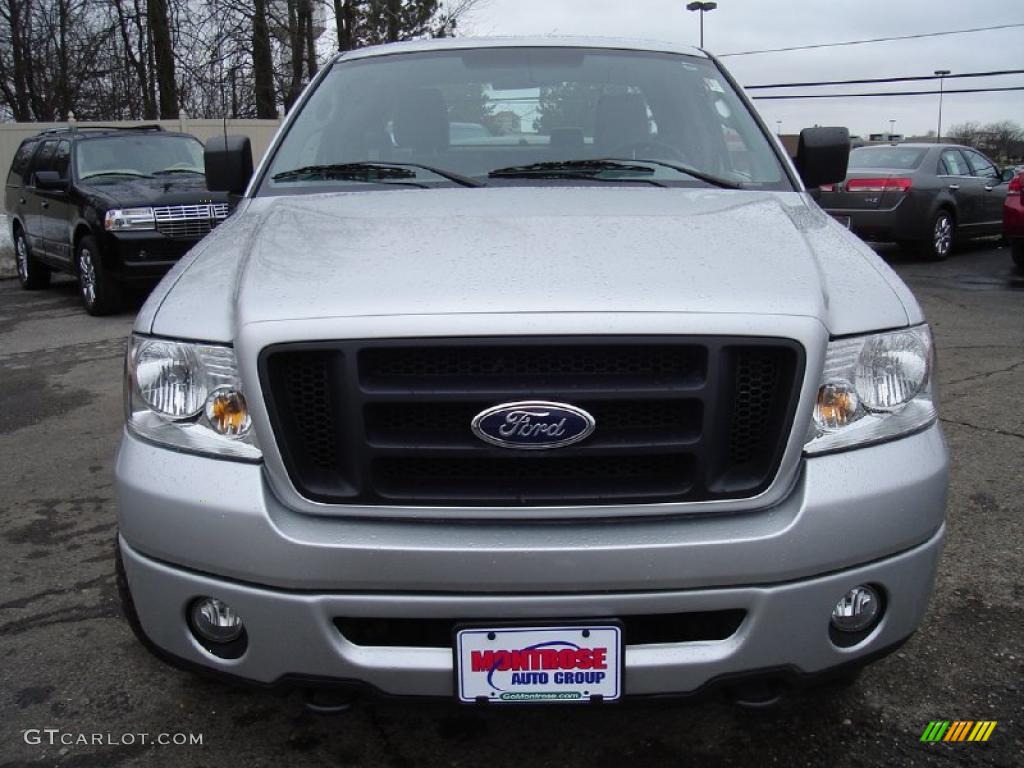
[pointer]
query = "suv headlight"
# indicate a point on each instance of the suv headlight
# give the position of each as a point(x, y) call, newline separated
point(874, 388)
point(122, 219)
point(188, 396)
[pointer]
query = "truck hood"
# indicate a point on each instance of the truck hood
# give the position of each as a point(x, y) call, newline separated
point(167, 190)
point(526, 249)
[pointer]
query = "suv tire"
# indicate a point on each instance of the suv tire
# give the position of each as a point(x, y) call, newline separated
point(100, 293)
point(31, 274)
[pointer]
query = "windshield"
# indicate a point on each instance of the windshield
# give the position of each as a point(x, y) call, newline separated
point(494, 114)
point(903, 158)
point(139, 155)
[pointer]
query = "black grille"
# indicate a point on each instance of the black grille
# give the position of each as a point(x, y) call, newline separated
point(641, 629)
point(650, 421)
point(388, 422)
point(534, 478)
point(537, 364)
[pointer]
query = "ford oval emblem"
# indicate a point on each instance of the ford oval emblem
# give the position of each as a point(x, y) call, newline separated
point(533, 425)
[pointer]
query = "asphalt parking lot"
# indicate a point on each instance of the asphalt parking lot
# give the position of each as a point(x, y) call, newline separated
point(69, 661)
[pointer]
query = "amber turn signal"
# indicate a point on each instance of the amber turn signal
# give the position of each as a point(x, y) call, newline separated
point(227, 412)
point(837, 404)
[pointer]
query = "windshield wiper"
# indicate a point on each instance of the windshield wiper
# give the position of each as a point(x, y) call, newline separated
point(586, 170)
point(383, 172)
point(117, 173)
point(458, 178)
point(169, 171)
point(707, 178)
point(568, 169)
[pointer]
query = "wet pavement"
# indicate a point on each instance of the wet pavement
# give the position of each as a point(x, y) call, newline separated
point(68, 661)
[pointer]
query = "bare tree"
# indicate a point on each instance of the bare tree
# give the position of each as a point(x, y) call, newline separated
point(965, 133)
point(143, 59)
point(163, 57)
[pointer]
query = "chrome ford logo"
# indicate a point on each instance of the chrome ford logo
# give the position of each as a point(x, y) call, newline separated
point(532, 425)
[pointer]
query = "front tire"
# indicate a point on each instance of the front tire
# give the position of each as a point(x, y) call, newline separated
point(1017, 252)
point(31, 274)
point(101, 294)
point(940, 245)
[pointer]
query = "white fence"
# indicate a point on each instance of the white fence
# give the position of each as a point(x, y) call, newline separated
point(260, 133)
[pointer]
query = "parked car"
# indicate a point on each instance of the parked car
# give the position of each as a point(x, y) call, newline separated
point(1013, 219)
point(622, 413)
point(110, 206)
point(923, 196)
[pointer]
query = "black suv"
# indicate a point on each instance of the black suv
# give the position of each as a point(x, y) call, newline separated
point(107, 205)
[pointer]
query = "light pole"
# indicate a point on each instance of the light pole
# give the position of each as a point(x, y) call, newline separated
point(892, 129)
point(942, 79)
point(702, 7)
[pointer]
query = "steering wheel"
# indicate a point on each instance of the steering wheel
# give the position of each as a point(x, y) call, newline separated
point(655, 150)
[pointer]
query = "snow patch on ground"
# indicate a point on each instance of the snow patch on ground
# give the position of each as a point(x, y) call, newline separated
point(7, 266)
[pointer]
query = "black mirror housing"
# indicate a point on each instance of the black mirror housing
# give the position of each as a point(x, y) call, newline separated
point(51, 180)
point(1007, 174)
point(228, 162)
point(822, 156)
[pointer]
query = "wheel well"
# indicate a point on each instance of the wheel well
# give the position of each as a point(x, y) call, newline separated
point(948, 208)
point(80, 231)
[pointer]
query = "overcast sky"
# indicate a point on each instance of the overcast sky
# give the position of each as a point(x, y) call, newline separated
point(740, 25)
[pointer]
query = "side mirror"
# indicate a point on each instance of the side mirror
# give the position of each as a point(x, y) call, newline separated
point(1007, 174)
point(822, 155)
point(51, 180)
point(228, 161)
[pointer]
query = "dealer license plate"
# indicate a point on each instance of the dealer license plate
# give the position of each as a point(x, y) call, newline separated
point(570, 664)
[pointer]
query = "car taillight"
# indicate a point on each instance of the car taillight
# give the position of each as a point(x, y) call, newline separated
point(1016, 186)
point(879, 185)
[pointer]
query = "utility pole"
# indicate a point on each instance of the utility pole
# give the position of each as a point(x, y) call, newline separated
point(942, 79)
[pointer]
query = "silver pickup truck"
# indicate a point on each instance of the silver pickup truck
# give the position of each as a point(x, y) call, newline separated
point(586, 400)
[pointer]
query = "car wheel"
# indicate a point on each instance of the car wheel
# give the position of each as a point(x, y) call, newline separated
point(31, 274)
point(1017, 252)
point(101, 294)
point(940, 245)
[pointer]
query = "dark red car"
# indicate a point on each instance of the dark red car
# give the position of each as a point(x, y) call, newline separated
point(1013, 219)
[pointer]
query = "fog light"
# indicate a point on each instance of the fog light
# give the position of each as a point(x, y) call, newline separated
point(215, 621)
point(857, 610)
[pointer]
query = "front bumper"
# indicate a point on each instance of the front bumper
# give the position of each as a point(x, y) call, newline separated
point(143, 256)
point(292, 636)
point(194, 526)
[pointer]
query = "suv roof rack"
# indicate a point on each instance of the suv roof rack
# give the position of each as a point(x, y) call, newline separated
point(100, 128)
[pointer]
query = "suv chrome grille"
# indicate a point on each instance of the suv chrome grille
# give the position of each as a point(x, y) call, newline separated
point(189, 221)
point(388, 422)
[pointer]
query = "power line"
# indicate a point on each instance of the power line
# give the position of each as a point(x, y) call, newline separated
point(890, 93)
point(995, 73)
point(871, 40)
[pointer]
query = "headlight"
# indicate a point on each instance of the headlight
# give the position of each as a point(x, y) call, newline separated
point(121, 219)
point(188, 396)
point(874, 388)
